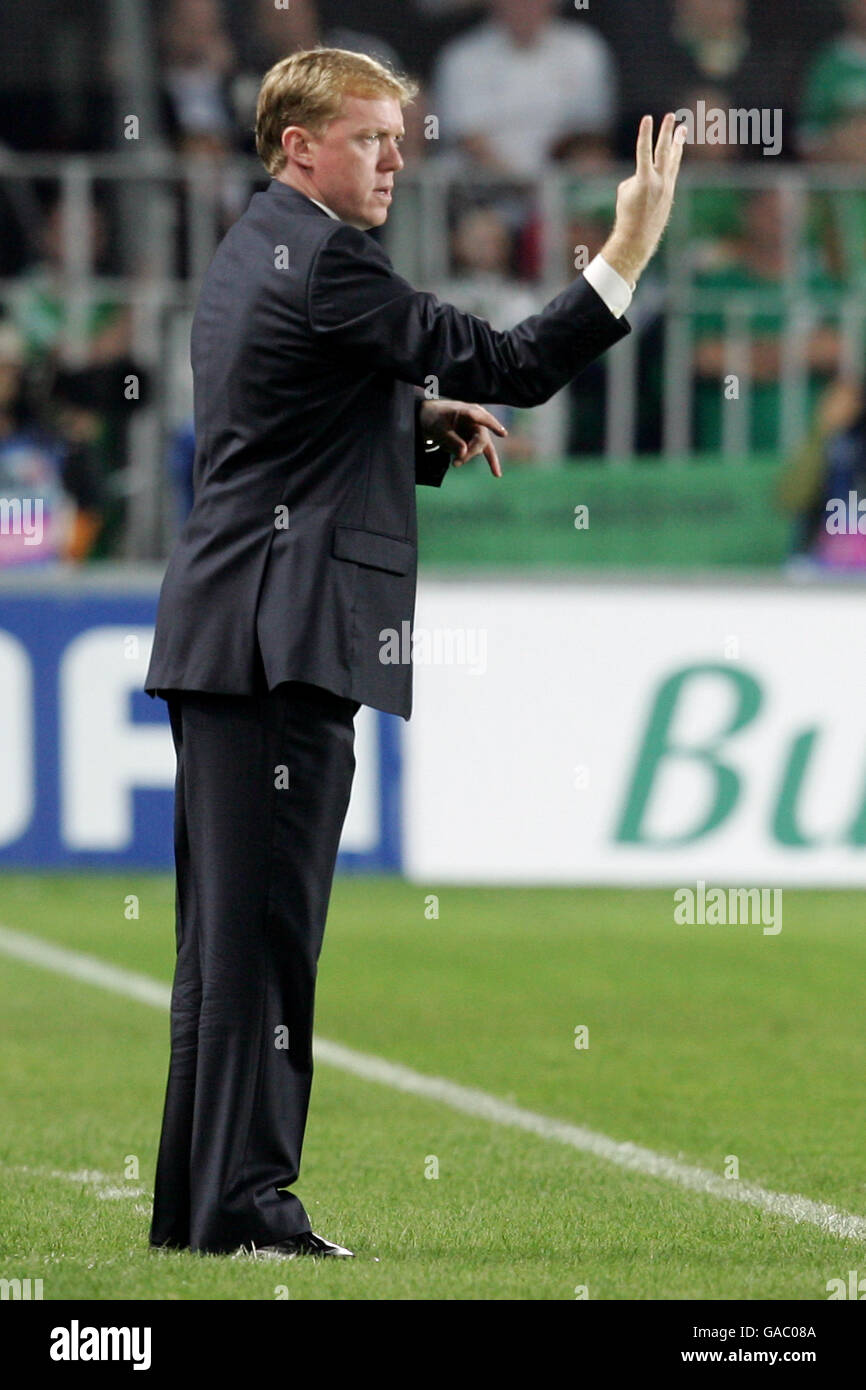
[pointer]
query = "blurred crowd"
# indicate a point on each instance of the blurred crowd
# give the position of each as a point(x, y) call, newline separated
point(515, 87)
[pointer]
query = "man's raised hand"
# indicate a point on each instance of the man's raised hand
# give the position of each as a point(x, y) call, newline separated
point(644, 201)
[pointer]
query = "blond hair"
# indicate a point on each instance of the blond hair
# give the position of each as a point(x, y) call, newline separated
point(307, 89)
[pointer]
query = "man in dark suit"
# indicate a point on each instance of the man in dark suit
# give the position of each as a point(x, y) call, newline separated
point(322, 383)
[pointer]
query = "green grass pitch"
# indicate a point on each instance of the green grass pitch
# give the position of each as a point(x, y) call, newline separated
point(703, 1043)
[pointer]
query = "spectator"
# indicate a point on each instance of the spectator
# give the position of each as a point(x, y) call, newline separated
point(523, 87)
point(483, 252)
point(696, 44)
point(711, 38)
point(833, 129)
point(275, 33)
point(707, 222)
point(820, 477)
point(85, 410)
point(833, 114)
point(197, 64)
point(52, 327)
point(757, 273)
point(55, 77)
point(589, 217)
point(590, 212)
point(51, 500)
point(80, 349)
point(198, 68)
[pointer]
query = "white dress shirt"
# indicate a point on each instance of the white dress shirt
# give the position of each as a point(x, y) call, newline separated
point(324, 209)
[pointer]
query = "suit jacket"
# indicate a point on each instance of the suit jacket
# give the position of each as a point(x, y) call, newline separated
point(311, 357)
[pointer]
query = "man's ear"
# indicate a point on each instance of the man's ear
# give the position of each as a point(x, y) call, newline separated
point(296, 145)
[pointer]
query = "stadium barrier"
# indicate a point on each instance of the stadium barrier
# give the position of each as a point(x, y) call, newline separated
point(87, 757)
point(635, 731)
point(579, 730)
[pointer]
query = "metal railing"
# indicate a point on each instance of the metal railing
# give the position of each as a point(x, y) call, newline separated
point(173, 213)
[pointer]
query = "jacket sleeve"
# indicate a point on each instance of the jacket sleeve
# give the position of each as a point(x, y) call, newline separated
point(360, 307)
point(432, 461)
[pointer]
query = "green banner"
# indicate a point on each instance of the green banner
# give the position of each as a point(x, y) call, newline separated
point(684, 513)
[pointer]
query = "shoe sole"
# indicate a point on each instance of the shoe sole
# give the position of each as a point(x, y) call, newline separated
point(264, 1252)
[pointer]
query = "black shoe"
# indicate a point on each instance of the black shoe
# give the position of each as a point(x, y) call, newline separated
point(304, 1244)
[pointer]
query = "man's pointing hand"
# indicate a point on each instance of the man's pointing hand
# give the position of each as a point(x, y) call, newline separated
point(464, 430)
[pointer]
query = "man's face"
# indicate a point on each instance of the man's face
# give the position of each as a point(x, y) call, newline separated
point(356, 158)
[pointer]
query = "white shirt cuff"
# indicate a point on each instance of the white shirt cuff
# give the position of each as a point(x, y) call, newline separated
point(609, 285)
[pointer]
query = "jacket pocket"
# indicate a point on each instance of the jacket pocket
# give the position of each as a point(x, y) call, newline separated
point(373, 548)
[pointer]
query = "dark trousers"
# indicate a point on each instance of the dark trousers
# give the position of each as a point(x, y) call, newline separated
point(255, 863)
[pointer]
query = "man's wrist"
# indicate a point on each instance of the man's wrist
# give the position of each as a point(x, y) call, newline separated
point(425, 440)
point(621, 257)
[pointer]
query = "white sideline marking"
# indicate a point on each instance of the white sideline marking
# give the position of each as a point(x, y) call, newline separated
point(479, 1104)
point(87, 968)
point(103, 1184)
